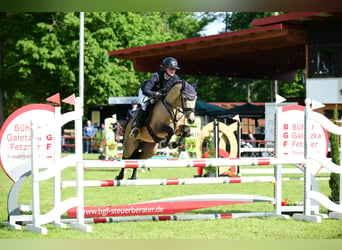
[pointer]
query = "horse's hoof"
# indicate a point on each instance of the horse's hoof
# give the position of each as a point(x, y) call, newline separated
point(132, 178)
point(118, 178)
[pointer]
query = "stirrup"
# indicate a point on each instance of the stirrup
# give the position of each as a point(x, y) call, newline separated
point(134, 133)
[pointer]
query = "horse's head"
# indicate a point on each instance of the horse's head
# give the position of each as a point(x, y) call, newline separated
point(188, 100)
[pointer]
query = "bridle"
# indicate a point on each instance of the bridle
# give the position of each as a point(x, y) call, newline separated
point(182, 109)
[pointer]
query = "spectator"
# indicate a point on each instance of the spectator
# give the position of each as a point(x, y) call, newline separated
point(251, 139)
point(88, 133)
point(131, 111)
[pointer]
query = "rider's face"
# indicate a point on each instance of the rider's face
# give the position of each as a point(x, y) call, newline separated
point(171, 71)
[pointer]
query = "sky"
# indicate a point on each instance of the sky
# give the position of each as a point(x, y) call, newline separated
point(213, 28)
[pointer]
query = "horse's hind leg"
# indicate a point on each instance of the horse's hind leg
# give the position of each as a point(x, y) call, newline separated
point(135, 155)
point(130, 149)
point(120, 176)
point(147, 151)
point(134, 174)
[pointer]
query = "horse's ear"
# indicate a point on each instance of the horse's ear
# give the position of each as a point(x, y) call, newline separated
point(195, 84)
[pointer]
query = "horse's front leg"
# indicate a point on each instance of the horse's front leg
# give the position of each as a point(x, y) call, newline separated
point(182, 131)
point(170, 133)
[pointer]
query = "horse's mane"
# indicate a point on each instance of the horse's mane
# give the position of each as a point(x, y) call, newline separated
point(167, 88)
point(187, 89)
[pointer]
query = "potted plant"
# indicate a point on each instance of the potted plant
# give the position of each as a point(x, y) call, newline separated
point(290, 208)
point(190, 145)
point(209, 153)
point(100, 143)
point(112, 147)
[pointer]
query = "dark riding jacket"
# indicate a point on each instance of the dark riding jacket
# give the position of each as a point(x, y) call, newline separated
point(157, 82)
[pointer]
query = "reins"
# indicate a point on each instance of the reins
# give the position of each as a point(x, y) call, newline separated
point(170, 109)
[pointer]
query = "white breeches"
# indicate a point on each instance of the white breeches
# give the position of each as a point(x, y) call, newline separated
point(142, 100)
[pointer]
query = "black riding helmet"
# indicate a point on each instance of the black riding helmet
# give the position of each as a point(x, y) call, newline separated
point(170, 62)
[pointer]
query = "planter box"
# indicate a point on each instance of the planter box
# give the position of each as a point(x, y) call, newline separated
point(290, 210)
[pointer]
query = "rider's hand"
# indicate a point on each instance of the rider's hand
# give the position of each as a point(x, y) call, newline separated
point(158, 94)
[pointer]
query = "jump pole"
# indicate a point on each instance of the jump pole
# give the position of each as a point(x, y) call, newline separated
point(176, 163)
point(168, 182)
point(184, 217)
point(180, 181)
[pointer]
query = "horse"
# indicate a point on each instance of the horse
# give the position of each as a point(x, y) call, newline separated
point(164, 119)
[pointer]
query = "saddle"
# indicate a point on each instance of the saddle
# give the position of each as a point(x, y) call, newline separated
point(146, 122)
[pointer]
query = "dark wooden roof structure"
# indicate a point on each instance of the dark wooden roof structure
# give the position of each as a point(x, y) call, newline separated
point(273, 49)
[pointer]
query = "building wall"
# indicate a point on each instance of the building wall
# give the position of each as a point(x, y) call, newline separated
point(324, 90)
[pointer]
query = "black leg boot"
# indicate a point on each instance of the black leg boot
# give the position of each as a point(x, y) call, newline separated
point(137, 123)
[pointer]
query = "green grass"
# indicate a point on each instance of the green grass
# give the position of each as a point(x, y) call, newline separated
point(246, 228)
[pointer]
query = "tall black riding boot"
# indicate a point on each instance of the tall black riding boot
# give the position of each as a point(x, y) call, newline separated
point(137, 123)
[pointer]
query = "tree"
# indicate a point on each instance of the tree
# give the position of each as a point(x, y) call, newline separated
point(40, 52)
point(243, 20)
point(46, 55)
point(334, 181)
point(294, 89)
point(2, 17)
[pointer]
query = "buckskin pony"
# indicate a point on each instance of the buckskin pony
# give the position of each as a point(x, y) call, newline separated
point(164, 119)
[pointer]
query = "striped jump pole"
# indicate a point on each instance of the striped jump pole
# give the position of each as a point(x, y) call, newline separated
point(177, 163)
point(303, 179)
point(166, 182)
point(185, 217)
point(170, 205)
point(181, 181)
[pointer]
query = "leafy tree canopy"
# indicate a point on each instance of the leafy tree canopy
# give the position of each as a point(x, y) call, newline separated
point(41, 52)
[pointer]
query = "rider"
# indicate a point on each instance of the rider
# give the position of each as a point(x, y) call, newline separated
point(149, 91)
